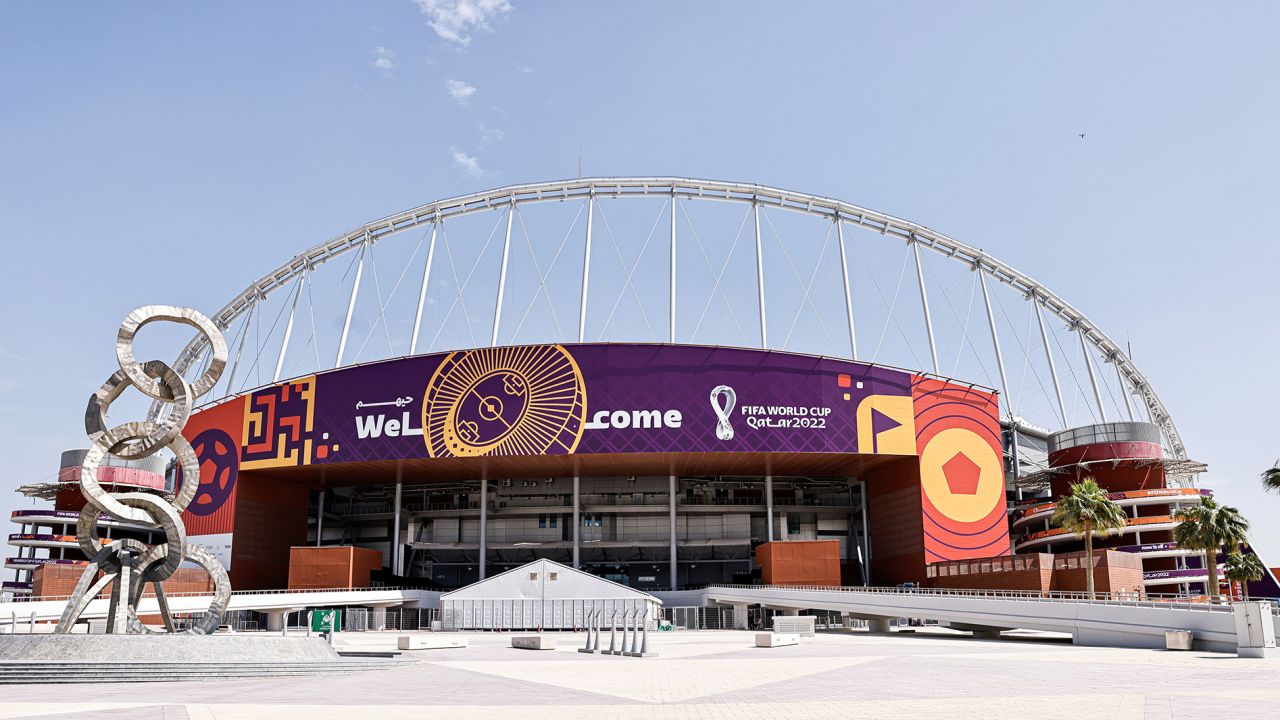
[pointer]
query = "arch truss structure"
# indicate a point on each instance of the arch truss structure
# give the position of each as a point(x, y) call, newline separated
point(654, 259)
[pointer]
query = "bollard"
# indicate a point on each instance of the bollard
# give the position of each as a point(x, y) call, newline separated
point(613, 632)
point(644, 641)
point(587, 621)
point(635, 632)
point(599, 616)
point(626, 633)
point(31, 628)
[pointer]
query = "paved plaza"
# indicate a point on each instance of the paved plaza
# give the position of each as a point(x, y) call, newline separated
point(715, 674)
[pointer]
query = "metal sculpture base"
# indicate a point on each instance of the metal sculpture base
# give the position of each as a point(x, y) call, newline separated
point(141, 650)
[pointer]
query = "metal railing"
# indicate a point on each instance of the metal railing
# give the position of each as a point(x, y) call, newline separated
point(242, 593)
point(437, 507)
point(760, 502)
point(1127, 599)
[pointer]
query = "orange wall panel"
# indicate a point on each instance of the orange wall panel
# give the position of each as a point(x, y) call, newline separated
point(270, 517)
point(341, 566)
point(896, 523)
point(799, 562)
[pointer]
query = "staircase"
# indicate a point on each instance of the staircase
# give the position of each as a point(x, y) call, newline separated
point(12, 673)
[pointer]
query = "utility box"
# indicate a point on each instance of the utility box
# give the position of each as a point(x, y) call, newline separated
point(799, 562)
point(1255, 630)
point(1178, 639)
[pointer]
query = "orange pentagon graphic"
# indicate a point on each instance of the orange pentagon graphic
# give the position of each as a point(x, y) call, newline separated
point(961, 471)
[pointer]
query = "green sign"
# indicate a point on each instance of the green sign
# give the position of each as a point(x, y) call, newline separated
point(326, 620)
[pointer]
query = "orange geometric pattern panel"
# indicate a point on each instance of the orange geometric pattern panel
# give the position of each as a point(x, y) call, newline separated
point(961, 471)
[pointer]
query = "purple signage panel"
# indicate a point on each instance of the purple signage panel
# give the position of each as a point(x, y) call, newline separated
point(554, 400)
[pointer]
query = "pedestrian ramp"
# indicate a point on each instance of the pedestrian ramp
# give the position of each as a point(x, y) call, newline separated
point(1140, 623)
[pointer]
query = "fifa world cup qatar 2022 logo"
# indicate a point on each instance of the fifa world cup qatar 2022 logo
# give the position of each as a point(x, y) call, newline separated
point(723, 398)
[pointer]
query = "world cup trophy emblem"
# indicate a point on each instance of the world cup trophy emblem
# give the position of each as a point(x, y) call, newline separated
point(724, 429)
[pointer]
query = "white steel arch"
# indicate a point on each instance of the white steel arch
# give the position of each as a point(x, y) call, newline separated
point(591, 191)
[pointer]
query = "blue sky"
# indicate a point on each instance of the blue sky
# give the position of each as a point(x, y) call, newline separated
point(221, 139)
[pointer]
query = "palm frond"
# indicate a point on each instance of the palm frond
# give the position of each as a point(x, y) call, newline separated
point(1271, 478)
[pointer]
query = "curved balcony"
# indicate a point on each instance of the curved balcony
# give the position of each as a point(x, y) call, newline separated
point(1132, 498)
point(69, 518)
point(15, 587)
point(1158, 550)
point(1175, 577)
point(1059, 535)
point(33, 563)
point(43, 541)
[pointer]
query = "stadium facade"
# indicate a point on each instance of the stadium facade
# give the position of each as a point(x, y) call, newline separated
point(660, 465)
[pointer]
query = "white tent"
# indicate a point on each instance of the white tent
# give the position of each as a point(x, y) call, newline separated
point(542, 595)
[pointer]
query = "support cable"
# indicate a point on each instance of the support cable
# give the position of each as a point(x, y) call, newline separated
point(630, 271)
point(807, 287)
point(542, 279)
point(717, 276)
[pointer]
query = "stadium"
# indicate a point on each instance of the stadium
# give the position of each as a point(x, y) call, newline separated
point(651, 379)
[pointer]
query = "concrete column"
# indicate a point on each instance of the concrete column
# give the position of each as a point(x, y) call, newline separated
point(878, 625)
point(378, 621)
point(319, 520)
point(484, 521)
point(276, 618)
point(397, 550)
point(675, 561)
point(577, 521)
point(768, 504)
point(740, 616)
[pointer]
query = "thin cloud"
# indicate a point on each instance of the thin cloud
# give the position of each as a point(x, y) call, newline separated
point(489, 135)
point(460, 91)
point(455, 20)
point(466, 163)
point(384, 59)
point(524, 69)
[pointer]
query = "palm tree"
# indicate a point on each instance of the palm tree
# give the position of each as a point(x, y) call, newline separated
point(1271, 477)
point(1242, 568)
point(1207, 527)
point(1088, 510)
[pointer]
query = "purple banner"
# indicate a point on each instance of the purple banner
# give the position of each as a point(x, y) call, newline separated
point(553, 400)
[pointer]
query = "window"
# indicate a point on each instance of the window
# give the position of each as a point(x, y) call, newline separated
point(533, 576)
point(591, 520)
point(548, 521)
point(542, 521)
point(553, 576)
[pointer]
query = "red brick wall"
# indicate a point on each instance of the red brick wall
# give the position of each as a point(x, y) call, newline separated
point(60, 581)
point(1040, 572)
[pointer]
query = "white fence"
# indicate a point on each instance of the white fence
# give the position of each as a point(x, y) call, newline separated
point(535, 614)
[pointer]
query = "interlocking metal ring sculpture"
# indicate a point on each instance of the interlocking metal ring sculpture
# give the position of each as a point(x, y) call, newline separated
point(128, 565)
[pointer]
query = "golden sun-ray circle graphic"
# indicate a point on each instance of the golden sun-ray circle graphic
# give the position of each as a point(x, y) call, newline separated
point(527, 400)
